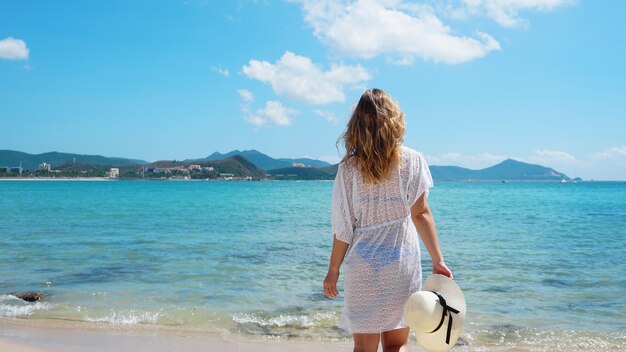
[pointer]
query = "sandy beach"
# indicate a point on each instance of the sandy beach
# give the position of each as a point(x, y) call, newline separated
point(22, 335)
point(45, 335)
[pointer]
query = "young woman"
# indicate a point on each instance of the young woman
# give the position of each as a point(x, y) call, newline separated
point(378, 207)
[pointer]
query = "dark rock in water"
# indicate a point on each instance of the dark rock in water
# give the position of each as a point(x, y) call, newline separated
point(462, 342)
point(30, 296)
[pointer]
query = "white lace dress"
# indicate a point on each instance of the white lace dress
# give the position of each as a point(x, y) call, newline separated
point(382, 266)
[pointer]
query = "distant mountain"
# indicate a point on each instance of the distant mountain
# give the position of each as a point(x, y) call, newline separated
point(13, 158)
point(449, 173)
point(332, 169)
point(256, 164)
point(301, 173)
point(509, 169)
point(307, 162)
point(259, 159)
point(263, 161)
point(236, 165)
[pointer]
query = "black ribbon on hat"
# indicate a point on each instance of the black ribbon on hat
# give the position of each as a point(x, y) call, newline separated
point(446, 309)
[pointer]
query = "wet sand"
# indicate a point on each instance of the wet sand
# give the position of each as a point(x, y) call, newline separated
point(24, 335)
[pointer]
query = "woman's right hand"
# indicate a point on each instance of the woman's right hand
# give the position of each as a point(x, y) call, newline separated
point(441, 268)
point(330, 283)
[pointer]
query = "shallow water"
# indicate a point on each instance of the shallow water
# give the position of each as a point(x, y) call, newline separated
point(541, 264)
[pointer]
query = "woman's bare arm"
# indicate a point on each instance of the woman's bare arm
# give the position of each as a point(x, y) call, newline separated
point(336, 258)
point(425, 225)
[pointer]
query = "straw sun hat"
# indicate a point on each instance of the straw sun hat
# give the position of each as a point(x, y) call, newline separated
point(436, 313)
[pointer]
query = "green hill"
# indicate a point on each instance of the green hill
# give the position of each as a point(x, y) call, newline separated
point(13, 158)
point(236, 165)
point(450, 173)
point(516, 170)
point(300, 173)
point(259, 159)
point(307, 162)
point(263, 161)
point(511, 170)
point(252, 163)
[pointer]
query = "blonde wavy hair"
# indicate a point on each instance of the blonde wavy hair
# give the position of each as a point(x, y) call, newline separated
point(374, 135)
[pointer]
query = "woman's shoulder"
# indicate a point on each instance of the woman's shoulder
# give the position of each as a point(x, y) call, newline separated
point(410, 153)
point(346, 165)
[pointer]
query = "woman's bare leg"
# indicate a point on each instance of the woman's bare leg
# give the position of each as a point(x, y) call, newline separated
point(396, 340)
point(366, 342)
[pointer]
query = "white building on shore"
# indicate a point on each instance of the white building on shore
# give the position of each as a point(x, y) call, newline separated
point(114, 172)
point(45, 167)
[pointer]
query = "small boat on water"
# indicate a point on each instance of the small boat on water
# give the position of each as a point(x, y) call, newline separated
point(563, 180)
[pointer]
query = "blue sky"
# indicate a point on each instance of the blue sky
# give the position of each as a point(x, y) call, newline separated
point(542, 81)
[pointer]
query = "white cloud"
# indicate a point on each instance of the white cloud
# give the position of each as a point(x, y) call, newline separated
point(13, 49)
point(432, 160)
point(331, 159)
point(297, 77)
point(451, 156)
point(609, 164)
point(326, 115)
point(558, 160)
point(506, 12)
point(246, 95)
point(222, 71)
point(471, 161)
point(274, 113)
point(404, 31)
point(545, 155)
point(611, 153)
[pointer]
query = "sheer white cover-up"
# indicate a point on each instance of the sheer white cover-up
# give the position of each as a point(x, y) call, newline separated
point(382, 265)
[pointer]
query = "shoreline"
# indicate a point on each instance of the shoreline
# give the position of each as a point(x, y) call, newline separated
point(47, 335)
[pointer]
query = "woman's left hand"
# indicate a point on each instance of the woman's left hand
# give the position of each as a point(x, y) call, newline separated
point(442, 268)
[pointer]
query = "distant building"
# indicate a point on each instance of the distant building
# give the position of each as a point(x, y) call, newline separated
point(114, 172)
point(298, 165)
point(207, 168)
point(45, 167)
point(194, 167)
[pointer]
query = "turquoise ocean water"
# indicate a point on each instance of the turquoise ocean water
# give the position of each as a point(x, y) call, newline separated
point(542, 265)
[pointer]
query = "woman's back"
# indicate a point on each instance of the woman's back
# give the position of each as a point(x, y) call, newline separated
point(382, 262)
point(376, 204)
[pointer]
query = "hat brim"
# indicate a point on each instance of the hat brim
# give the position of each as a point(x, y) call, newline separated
point(446, 287)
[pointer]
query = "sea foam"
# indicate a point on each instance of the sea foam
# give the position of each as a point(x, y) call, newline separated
point(13, 307)
point(126, 316)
